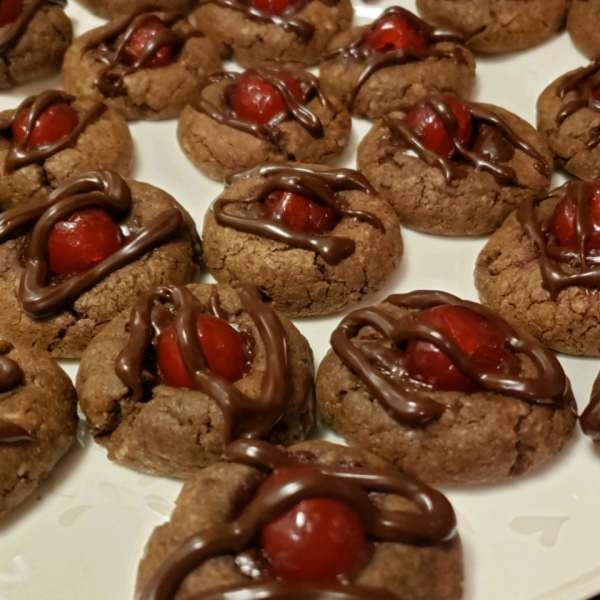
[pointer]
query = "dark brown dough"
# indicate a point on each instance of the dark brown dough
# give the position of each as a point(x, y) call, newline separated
point(108, 9)
point(582, 25)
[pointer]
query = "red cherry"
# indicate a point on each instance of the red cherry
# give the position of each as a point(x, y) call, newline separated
point(10, 11)
point(597, 94)
point(315, 541)
point(139, 41)
point(300, 213)
point(58, 120)
point(272, 7)
point(431, 131)
point(479, 338)
point(86, 238)
point(564, 217)
point(222, 345)
point(257, 101)
point(394, 33)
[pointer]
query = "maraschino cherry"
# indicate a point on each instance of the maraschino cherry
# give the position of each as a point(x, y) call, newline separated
point(315, 541)
point(55, 122)
point(257, 101)
point(299, 213)
point(85, 239)
point(431, 131)
point(271, 7)
point(564, 218)
point(477, 337)
point(10, 10)
point(221, 344)
point(139, 41)
point(394, 33)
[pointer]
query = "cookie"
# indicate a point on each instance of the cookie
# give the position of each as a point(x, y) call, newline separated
point(568, 116)
point(144, 65)
point(38, 421)
point(242, 518)
point(498, 25)
point(313, 240)
point(259, 33)
point(53, 136)
point(254, 378)
point(73, 261)
point(34, 36)
point(590, 417)
point(241, 121)
point(109, 9)
point(534, 272)
point(393, 63)
point(581, 24)
point(444, 389)
point(452, 167)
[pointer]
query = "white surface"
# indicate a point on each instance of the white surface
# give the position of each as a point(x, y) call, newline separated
point(82, 534)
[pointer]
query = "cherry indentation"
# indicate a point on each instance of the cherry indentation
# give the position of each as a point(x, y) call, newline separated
point(395, 33)
point(55, 122)
point(563, 222)
point(10, 11)
point(141, 39)
point(271, 7)
point(477, 337)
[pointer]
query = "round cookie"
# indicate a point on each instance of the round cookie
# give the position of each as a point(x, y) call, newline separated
point(490, 172)
point(96, 137)
point(312, 240)
point(525, 274)
point(498, 25)
point(373, 76)
point(38, 421)
point(568, 116)
point(444, 389)
point(34, 43)
point(58, 312)
point(410, 564)
point(582, 23)
point(153, 426)
point(294, 37)
point(152, 77)
point(109, 9)
point(221, 143)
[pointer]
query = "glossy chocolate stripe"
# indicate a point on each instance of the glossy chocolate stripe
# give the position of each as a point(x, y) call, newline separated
point(590, 418)
point(11, 433)
point(11, 374)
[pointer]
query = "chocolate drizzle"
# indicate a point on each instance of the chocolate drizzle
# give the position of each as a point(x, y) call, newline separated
point(100, 189)
point(552, 257)
point(321, 187)
point(494, 144)
point(243, 416)
point(434, 522)
point(373, 60)
point(110, 43)
point(379, 364)
point(11, 376)
point(296, 110)
point(20, 155)
point(11, 33)
point(583, 82)
point(590, 418)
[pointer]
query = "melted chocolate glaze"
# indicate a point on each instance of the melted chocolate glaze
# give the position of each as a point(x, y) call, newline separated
point(11, 376)
point(321, 187)
point(244, 416)
point(553, 258)
point(360, 51)
point(494, 144)
point(11, 33)
point(296, 110)
point(434, 522)
point(100, 189)
point(20, 155)
point(590, 418)
point(379, 364)
point(583, 82)
point(110, 43)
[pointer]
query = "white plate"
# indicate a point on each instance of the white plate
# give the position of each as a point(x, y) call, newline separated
point(82, 533)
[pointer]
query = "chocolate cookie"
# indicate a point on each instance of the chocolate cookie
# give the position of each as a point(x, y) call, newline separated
point(393, 63)
point(568, 115)
point(454, 167)
point(258, 33)
point(582, 21)
point(241, 121)
point(38, 421)
point(71, 262)
point(540, 269)
point(33, 40)
point(444, 389)
point(235, 531)
point(109, 9)
point(498, 25)
point(312, 240)
point(129, 382)
point(53, 136)
point(144, 65)
point(590, 417)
